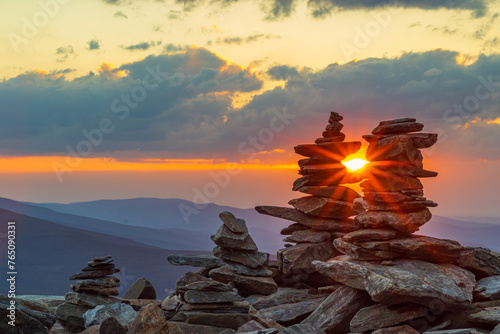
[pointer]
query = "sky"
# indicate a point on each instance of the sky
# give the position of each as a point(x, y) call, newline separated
point(205, 100)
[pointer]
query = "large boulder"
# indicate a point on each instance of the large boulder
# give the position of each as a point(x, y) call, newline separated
point(71, 316)
point(401, 281)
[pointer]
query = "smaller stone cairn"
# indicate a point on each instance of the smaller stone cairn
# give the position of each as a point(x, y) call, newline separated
point(93, 287)
point(324, 214)
point(94, 278)
point(215, 295)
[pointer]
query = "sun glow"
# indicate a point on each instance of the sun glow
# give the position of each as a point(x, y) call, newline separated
point(354, 164)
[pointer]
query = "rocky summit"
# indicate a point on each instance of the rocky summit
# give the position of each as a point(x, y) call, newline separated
point(350, 263)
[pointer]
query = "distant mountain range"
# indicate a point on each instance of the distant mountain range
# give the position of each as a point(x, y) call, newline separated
point(55, 240)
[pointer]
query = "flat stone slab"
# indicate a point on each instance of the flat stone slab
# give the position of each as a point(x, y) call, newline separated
point(401, 281)
point(288, 312)
point(308, 236)
point(373, 234)
point(333, 192)
point(383, 315)
point(245, 284)
point(195, 260)
point(415, 247)
point(252, 259)
point(420, 140)
point(315, 223)
point(211, 297)
point(323, 207)
point(488, 316)
point(398, 127)
point(407, 222)
point(323, 180)
point(390, 183)
point(336, 151)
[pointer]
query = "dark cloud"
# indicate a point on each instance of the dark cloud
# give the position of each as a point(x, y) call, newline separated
point(280, 9)
point(64, 53)
point(142, 46)
point(321, 8)
point(251, 38)
point(112, 2)
point(282, 72)
point(94, 44)
point(120, 14)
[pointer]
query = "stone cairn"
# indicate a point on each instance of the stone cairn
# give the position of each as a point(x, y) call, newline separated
point(94, 278)
point(215, 295)
point(324, 214)
point(93, 287)
point(398, 282)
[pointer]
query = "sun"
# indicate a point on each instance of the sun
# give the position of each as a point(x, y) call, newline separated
point(354, 164)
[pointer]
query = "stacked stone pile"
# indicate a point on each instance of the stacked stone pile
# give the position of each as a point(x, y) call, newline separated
point(215, 296)
point(95, 279)
point(324, 214)
point(204, 301)
point(93, 287)
point(415, 283)
point(244, 265)
point(393, 194)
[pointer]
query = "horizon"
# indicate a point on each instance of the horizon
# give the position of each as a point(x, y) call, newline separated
point(115, 99)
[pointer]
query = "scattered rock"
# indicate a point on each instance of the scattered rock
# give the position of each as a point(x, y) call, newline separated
point(141, 289)
point(488, 288)
point(111, 326)
point(336, 311)
point(123, 313)
point(149, 319)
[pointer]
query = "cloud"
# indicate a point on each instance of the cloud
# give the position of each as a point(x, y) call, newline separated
point(189, 110)
point(249, 39)
point(282, 72)
point(94, 44)
point(120, 14)
point(112, 2)
point(190, 93)
point(142, 46)
point(280, 9)
point(170, 47)
point(322, 8)
point(64, 53)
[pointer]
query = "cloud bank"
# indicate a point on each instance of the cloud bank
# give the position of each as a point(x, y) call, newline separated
point(182, 104)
